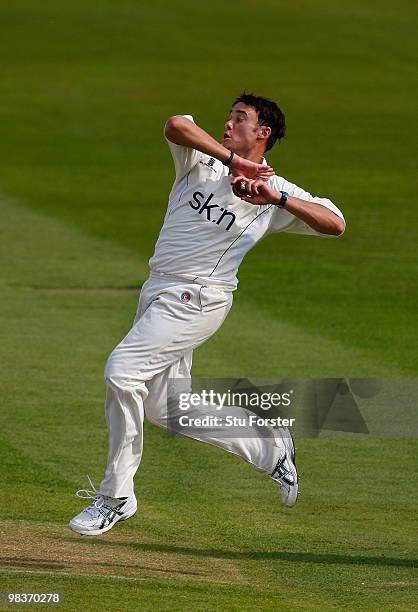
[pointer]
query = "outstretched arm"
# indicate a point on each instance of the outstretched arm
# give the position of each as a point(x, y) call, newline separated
point(182, 131)
point(318, 217)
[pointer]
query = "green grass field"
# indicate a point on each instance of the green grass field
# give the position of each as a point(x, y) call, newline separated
point(84, 176)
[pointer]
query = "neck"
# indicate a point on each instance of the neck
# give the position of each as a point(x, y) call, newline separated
point(258, 159)
point(256, 155)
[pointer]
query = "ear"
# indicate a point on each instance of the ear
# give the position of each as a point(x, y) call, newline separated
point(265, 132)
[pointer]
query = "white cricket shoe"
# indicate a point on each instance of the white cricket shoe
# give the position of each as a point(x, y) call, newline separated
point(103, 513)
point(285, 474)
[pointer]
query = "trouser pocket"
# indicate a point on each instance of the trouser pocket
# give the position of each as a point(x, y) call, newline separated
point(212, 298)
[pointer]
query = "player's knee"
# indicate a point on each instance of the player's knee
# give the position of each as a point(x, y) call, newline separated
point(118, 374)
point(112, 370)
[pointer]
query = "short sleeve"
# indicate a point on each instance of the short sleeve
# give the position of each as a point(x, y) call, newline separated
point(284, 221)
point(184, 158)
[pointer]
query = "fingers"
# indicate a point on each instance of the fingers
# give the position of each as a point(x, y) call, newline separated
point(240, 165)
point(265, 170)
point(242, 186)
point(253, 187)
point(265, 177)
point(239, 185)
point(254, 191)
point(261, 173)
point(242, 177)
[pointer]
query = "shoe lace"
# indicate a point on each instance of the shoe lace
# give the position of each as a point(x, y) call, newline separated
point(92, 493)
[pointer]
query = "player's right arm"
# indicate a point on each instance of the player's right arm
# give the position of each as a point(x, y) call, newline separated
point(182, 131)
point(311, 215)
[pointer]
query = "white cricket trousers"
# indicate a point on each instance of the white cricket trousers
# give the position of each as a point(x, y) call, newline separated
point(172, 319)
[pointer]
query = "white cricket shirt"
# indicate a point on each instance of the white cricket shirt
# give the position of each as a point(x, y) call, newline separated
point(207, 230)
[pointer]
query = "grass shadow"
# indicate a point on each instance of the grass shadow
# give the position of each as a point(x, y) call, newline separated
point(294, 557)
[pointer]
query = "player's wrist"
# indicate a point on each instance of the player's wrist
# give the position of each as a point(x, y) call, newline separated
point(280, 198)
point(229, 159)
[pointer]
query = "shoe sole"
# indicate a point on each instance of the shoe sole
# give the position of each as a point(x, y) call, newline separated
point(95, 532)
point(290, 448)
point(292, 499)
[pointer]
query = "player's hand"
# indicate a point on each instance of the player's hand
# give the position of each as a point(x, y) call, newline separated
point(257, 190)
point(249, 169)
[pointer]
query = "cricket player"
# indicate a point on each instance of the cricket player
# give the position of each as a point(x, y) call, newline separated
point(224, 199)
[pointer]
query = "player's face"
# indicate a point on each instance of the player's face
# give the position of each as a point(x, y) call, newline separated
point(242, 131)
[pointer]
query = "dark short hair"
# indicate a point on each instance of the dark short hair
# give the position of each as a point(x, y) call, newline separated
point(268, 114)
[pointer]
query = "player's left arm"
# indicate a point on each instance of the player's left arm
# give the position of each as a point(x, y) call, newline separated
point(318, 217)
